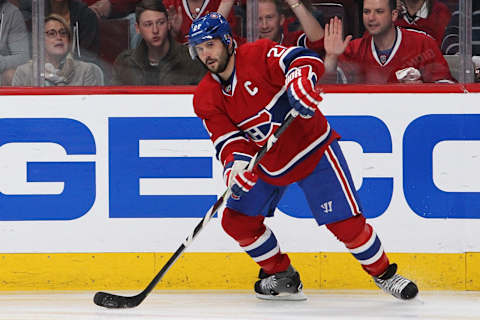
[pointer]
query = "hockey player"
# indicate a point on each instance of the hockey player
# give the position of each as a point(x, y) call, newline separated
point(242, 100)
point(385, 52)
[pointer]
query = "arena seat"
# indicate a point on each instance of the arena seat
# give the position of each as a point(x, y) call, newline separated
point(348, 10)
point(114, 38)
point(451, 4)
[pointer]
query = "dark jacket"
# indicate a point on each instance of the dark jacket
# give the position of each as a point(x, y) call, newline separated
point(83, 21)
point(132, 67)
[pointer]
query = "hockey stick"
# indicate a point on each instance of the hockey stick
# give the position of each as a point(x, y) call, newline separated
point(109, 300)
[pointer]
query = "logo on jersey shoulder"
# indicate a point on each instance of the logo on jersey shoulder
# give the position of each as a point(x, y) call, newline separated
point(252, 91)
point(327, 206)
point(259, 127)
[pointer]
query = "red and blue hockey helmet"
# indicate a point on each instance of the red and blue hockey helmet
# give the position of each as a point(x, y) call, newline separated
point(210, 26)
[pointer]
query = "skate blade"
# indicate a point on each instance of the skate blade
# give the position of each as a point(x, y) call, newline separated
point(299, 296)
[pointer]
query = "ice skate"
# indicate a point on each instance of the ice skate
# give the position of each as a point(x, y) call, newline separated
point(284, 285)
point(395, 284)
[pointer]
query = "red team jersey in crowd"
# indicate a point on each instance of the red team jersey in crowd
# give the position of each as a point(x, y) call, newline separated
point(295, 38)
point(433, 23)
point(362, 64)
point(299, 38)
point(207, 7)
point(240, 115)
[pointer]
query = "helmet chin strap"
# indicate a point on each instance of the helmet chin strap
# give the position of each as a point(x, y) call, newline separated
point(230, 54)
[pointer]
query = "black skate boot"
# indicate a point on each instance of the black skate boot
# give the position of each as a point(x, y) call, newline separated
point(395, 284)
point(280, 286)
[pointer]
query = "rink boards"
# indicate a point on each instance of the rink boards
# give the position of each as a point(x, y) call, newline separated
point(98, 187)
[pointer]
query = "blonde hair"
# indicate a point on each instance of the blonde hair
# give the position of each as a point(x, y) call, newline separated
point(58, 18)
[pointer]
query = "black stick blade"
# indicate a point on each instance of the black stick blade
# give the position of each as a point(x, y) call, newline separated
point(112, 301)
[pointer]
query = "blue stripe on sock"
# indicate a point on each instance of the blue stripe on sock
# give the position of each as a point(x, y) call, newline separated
point(265, 247)
point(370, 252)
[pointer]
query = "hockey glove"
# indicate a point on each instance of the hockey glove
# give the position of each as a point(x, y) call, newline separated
point(300, 83)
point(238, 178)
point(242, 183)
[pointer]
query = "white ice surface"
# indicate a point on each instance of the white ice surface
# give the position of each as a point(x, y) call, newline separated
point(243, 305)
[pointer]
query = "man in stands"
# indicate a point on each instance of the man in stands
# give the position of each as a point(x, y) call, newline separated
point(385, 54)
point(158, 59)
point(271, 25)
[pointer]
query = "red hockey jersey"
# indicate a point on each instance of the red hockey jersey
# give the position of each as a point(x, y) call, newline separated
point(299, 38)
point(412, 48)
point(242, 113)
point(188, 15)
point(433, 22)
point(296, 38)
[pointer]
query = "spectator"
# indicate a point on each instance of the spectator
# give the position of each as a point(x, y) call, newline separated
point(272, 25)
point(158, 59)
point(61, 69)
point(430, 16)
point(385, 54)
point(450, 44)
point(271, 22)
point(183, 12)
point(83, 23)
point(106, 9)
point(14, 45)
point(82, 20)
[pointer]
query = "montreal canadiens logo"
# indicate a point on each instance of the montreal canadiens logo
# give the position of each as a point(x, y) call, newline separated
point(259, 127)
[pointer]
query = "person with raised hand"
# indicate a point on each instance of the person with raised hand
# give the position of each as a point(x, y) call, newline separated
point(386, 53)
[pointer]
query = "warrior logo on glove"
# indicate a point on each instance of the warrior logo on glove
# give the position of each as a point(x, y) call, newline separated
point(303, 97)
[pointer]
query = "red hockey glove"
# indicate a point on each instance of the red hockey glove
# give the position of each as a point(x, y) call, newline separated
point(242, 183)
point(237, 177)
point(300, 83)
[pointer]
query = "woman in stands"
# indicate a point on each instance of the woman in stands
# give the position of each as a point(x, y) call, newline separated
point(61, 69)
point(429, 16)
point(82, 20)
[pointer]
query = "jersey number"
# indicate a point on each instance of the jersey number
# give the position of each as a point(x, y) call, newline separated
point(276, 51)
